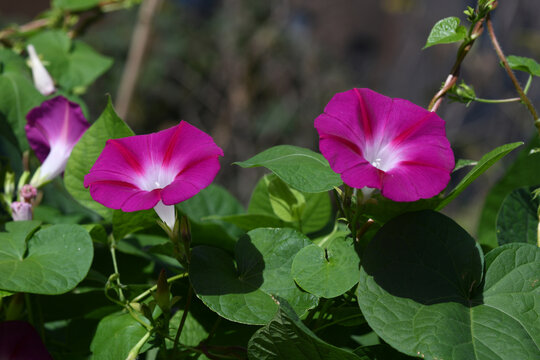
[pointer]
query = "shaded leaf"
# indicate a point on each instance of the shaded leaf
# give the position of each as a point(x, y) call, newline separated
point(525, 171)
point(422, 289)
point(286, 337)
point(244, 289)
point(518, 218)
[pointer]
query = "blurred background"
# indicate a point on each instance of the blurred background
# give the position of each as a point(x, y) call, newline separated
point(255, 74)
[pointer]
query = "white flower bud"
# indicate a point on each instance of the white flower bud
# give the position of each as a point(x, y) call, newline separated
point(42, 80)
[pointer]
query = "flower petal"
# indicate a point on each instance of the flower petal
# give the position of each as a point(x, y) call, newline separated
point(56, 121)
point(190, 181)
point(138, 171)
point(390, 144)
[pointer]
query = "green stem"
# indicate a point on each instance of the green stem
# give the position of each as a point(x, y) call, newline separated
point(496, 101)
point(184, 317)
point(346, 318)
point(134, 352)
point(511, 74)
point(154, 288)
point(475, 31)
point(112, 248)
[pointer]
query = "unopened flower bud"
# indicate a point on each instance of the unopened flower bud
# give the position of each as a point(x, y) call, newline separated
point(42, 80)
point(28, 193)
point(21, 211)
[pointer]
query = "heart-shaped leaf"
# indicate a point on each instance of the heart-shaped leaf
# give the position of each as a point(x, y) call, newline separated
point(422, 289)
point(286, 337)
point(327, 271)
point(303, 169)
point(518, 218)
point(525, 64)
point(446, 31)
point(50, 261)
point(244, 289)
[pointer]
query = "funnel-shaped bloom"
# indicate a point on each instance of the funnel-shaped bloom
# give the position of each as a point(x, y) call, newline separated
point(155, 170)
point(52, 130)
point(389, 144)
point(19, 340)
point(42, 80)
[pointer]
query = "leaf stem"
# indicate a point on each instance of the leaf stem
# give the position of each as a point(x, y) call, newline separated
point(346, 318)
point(112, 248)
point(511, 74)
point(154, 288)
point(184, 317)
point(475, 31)
point(134, 352)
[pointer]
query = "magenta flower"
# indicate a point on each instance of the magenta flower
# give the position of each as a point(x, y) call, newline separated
point(154, 171)
point(389, 144)
point(52, 130)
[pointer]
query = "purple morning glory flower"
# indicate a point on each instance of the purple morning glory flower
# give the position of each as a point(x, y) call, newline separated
point(52, 130)
point(19, 340)
point(154, 171)
point(389, 144)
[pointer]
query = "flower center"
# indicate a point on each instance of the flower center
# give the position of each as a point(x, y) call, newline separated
point(383, 157)
point(156, 177)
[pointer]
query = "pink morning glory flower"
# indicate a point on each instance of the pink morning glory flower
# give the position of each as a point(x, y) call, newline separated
point(154, 171)
point(42, 80)
point(52, 130)
point(389, 144)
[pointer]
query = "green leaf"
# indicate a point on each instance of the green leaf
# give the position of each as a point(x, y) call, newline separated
point(301, 168)
point(518, 218)
point(380, 352)
point(422, 289)
point(192, 332)
point(525, 171)
point(246, 292)
point(85, 153)
point(525, 64)
point(446, 31)
point(314, 214)
point(75, 5)
point(327, 272)
point(249, 222)
point(485, 163)
point(70, 64)
point(17, 94)
point(288, 204)
point(286, 337)
point(125, 223)
point(116, 335)
point(206, 227)
point(51, 261)
point(463, 163)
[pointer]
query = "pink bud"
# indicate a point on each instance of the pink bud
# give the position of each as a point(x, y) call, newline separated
point(28, 193)
point(21, 211)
